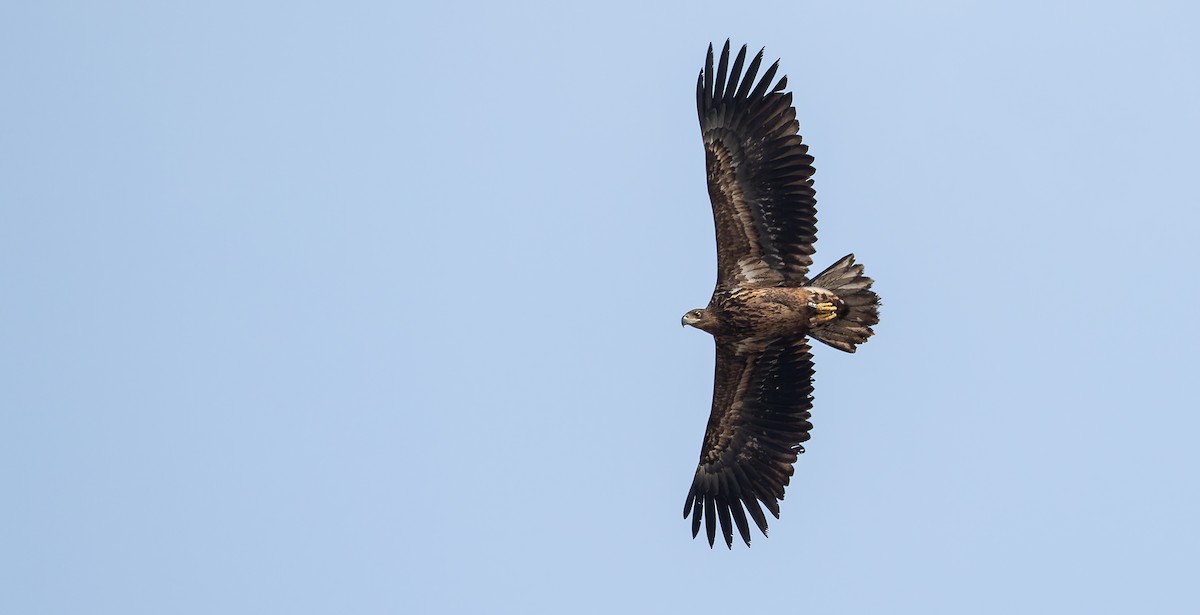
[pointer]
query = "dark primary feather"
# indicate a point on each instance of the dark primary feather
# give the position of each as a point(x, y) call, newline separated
point(764, 206)
point(761, 402)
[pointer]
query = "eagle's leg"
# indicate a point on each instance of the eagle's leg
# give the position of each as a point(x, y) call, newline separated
point(825, 311)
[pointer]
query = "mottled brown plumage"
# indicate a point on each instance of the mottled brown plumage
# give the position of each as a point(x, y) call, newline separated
point(764, 307)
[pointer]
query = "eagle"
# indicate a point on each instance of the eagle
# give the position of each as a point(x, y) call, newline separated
point(764, 306)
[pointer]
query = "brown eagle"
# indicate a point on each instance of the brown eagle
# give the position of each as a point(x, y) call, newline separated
point(764, 305)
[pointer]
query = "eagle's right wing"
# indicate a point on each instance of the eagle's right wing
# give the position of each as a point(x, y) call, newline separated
point(763, 202)
point(761, 402)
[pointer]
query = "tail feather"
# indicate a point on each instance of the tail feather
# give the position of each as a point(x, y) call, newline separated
point(859, 309)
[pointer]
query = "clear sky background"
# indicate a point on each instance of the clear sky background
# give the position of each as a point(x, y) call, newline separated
point(373, 307)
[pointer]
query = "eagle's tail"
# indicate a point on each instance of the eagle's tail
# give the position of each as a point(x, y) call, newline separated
point(857, 311)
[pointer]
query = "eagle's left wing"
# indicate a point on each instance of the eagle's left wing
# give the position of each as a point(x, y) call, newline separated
point(759, 171)
point(761, 402)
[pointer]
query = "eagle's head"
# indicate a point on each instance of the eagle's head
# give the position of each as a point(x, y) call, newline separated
point(700, 318)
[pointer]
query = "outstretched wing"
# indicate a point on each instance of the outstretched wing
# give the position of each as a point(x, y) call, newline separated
point(761, 402)
point(759, 174)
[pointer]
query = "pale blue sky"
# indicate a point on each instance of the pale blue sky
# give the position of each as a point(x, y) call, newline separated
point(367, 308)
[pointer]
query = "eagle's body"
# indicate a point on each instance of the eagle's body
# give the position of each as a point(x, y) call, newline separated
point(775, 311)
point(764, 306)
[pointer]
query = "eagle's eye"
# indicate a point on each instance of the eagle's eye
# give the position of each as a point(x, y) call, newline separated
point(695, 314)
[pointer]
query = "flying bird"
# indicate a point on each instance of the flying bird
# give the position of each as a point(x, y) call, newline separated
point(764, 307)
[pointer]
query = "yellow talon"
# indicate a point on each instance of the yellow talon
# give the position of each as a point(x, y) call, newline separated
point(826, 311)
